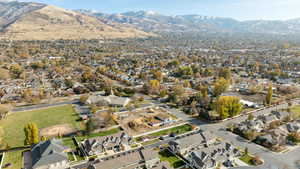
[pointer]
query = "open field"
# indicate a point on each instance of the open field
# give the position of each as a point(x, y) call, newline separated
point(13, 125)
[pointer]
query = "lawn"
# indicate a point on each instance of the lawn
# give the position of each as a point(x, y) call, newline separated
point(296, 111)
point(247, 159)
point(177, 130)
point(150, 142)
point(250, 160)
point(13, 125)
point(15, 158)
point(166, 155)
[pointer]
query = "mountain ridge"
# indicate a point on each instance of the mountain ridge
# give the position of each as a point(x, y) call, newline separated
point(156, 22)
point(36, 21)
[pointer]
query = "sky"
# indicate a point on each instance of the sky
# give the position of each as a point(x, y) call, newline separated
point(238, 9)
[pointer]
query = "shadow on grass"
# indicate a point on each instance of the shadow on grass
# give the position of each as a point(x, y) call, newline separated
point(166, 155)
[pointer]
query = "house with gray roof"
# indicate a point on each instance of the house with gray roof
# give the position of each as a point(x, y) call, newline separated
point(269, 119)
point(293, 126)
point(209, 157)
point(50, 154)
point(281, 115)
point(137, 159)
point(111, 100)
point(116, 142)
point(185, 144)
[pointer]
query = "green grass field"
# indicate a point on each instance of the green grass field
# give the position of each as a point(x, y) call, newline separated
point(177, 130)
point(14, 158)
point(247, 159)
point(296, 111)
point(13, 125)
point(175, 162)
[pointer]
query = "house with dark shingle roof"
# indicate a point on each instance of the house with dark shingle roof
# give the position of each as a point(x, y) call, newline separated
point(50, 154)
point(209, 157)
point(185, 144)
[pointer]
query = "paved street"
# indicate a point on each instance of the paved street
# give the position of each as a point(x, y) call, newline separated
point(41, 106)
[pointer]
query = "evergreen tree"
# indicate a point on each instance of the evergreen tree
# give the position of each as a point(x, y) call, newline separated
point(269, 95)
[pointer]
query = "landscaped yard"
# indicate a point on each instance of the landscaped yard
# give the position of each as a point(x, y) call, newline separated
point(15, 159)
point(251, 160)
point(166, 155)
point(177, 130)
point(296, 111)
point(13, 125)
point(247, 159)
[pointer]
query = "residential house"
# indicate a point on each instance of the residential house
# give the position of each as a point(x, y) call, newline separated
point(161, 119)
point(137, 159)
point(50, 154)
point(117, 143)
point(150, 158)
point(269, 119)
point(209, 157)
point(255, 124)
point(188, 143)
point(281, 115)
point(111, 100)
point(293, 126)
point(267, 140)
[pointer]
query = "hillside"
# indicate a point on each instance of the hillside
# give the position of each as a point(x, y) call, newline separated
point(43, 22)
point(154, 22)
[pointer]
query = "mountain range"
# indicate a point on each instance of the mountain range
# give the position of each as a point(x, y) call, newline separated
point(154, 22)
point(37, 21)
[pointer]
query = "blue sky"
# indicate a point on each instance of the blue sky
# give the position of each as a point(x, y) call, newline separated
point(238, 9)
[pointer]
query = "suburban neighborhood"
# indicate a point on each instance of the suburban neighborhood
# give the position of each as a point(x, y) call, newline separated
point(141, 90)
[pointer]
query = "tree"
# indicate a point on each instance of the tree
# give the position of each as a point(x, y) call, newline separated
point(250, 135)
point(44, 138)
point(16, 70)
point(185, 71)
point(250, 117)
point(87, 76)
point(246, 151)
point(176, 94)
point(187, 84)
point(31, 134)
point(152, 87)
point(269, 95)
point(83, 99)
point(220, 86)
point(4, 109)
point(90, 126)
point(225, 73)
point(158, 75)
point(228, 106)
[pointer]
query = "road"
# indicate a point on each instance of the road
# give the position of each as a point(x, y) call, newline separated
point(41, 106)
